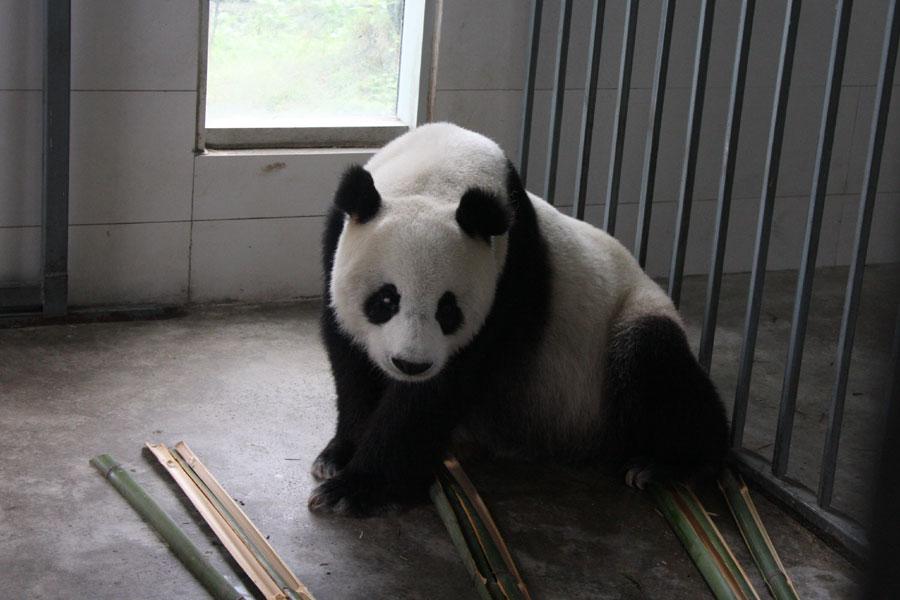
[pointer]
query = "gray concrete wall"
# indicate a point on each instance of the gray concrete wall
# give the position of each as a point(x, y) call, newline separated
point(150, 222)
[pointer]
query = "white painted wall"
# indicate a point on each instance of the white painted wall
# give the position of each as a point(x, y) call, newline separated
point(152, 223)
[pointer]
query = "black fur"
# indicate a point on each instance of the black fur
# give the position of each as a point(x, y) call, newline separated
point(481, 214)
point(663, 411)
point(359, 384)
point(356, 195)
point(382, 304)
point(448, 314)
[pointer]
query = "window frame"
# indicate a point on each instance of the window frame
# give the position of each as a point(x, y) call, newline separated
point(415, 97)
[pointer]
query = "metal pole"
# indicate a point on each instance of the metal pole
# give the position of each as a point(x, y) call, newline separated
point(764, 225)
point(587, 115)
point(621, 118)
point(55, 192)
point(726, 182)
point(534, 43)
point(556, 106)
point(695, 120)
point(858, 262)
point(788, 404)
point(651, 147)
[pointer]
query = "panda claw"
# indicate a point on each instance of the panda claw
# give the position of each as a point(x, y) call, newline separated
point(331, 459)
point(350, 495)
point(324, 469)
point(639, 475)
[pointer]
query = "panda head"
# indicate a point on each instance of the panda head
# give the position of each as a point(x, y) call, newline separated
point(414, 275)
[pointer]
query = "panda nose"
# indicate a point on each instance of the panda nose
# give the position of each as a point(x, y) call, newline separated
point(410, 368)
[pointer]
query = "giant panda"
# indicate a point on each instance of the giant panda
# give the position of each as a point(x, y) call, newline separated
point(462, 313)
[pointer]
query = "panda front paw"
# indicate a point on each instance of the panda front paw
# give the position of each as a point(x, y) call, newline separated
point(332, 459)
point(355, 496)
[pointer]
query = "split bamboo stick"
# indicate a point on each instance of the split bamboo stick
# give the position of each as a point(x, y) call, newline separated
point(224, 525)
point(756, 537)
point(475, 535)
point(703, 542)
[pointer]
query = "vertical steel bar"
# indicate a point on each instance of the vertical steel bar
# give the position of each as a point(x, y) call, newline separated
point(788, 405)
point(55, 205)
point(556, 106)
point(858, 262)
point(651, 147)
point(621, 118)
point(726, 182)
point(695, 120)
point(764, 225)
point(534, 43)
point(587, 113)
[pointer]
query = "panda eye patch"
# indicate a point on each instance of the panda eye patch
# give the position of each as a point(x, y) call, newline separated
point(448, 315)
point(382, 304)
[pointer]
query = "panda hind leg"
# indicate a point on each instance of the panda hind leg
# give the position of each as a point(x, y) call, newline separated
point(665, 417)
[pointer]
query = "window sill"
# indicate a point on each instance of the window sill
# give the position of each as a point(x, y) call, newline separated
point(371, 134)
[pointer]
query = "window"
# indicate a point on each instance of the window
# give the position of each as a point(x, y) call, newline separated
point(310, 73)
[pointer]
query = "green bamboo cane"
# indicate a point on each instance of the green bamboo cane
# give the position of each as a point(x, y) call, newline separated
point(178, 542)
point(756, 537)
point(506, 569)
point(480, 535)
point(690, 502)
point(473, 560)
point(709, 563)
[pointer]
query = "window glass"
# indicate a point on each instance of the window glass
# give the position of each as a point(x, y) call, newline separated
point(296, 63)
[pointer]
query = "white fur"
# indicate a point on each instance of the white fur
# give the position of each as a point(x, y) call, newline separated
point(415, 243)
point(596, 284)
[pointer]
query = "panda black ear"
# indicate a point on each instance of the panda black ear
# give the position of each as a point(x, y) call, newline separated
point(481, 214)
point(356, 194)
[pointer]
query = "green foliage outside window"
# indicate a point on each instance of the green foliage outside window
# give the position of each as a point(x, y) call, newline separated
point(282, 63)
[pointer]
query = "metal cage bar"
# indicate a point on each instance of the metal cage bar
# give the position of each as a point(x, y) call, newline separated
point(587, 113)
point(858, 262)
point(534, 44)
point(556, 106)
point(726, 183)
point(788, 405)
point(651, 147)
point(621, 118)
point(692, 142)
point(764, 224)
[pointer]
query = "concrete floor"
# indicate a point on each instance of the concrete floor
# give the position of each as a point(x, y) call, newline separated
point(249, 389)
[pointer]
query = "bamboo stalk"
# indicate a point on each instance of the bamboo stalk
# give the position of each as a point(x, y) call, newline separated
point(468, 488)
point(692, 503)
point(476, 535)
point(182, 547)
point(239, 531)
point(213, 513)
point(217, 523)
point(756, 537)
point(242, 524)
point(469, 557)
point(479, 540)
point(693, 528)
